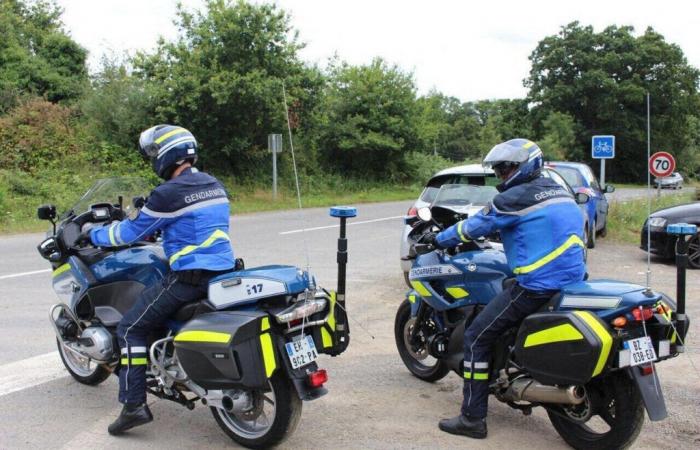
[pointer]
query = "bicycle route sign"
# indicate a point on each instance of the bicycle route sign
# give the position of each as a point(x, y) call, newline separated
point(603, 147)
point(662, 164)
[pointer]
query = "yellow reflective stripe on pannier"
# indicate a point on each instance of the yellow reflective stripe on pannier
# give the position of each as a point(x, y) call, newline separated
point(214, 337)
point(476, 376)
point(326, 338)
point(604, 336)
point(61, 270)
point(135, 361)
point(422, 290)
point(268, 350)
point(573, 240)
point(457, 292)
point(560, 333)
point(215, 236)
point(169, 134)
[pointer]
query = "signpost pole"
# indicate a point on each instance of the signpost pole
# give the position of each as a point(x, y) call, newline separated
point(648, 195)
point(274, 175)
point(274, 144)
point(602, 174)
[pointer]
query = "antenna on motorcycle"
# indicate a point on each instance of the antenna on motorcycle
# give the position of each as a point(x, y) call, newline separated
point(648, 290)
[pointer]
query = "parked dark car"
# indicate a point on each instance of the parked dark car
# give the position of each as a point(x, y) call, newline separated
point(664, 244)
point(582, 179)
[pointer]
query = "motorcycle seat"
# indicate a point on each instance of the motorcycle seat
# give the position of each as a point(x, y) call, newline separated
point(192, 309)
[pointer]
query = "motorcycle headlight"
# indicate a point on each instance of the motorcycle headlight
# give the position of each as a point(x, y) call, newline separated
point(301, 309)
point(657, 222)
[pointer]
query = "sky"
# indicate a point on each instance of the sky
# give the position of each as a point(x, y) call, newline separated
point(470, 50)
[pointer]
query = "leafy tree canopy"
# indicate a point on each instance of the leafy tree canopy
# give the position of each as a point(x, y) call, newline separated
point(36, 56)
point(601, 80)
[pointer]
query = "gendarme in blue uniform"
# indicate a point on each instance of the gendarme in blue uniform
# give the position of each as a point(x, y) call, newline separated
point(541, 227)
point(192, 211)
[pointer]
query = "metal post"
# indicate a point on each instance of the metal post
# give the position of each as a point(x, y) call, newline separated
point(602, 174)
point(274, 175)
point(343, 213)
point(648, 197)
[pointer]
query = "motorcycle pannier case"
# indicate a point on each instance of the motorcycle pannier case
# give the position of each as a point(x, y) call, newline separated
point(224, 350)
point(563, 347)
point(333, 337)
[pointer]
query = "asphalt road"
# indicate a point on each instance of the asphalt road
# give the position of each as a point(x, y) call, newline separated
point(624, 194)
point(373, 402)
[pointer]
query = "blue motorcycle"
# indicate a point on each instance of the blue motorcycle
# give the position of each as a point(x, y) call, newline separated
point(248, 350)
point(587, 356)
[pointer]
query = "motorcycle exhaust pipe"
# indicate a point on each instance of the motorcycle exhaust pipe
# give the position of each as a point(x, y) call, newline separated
point(527, 389)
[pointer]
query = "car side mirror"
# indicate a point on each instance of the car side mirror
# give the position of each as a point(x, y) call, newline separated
point(581, 198)
point(609, 188)
point(46, 212)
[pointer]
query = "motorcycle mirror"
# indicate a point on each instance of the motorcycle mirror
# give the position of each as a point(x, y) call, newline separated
point(609, 188)
point(46, 212)
point(582, 198)
point(424, 214)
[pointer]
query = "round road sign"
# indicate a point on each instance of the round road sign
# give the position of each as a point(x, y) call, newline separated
point(662, 164)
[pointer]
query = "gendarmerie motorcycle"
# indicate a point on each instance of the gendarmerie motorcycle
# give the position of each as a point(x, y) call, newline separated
point(248, 351)
point(587, 356)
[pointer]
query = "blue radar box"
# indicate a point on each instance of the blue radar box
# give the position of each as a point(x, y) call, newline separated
point(343, 211)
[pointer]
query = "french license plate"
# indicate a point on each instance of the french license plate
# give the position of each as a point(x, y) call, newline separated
point(301, 352)
point(641, 350)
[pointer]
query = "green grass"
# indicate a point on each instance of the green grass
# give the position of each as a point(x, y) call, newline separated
point(21, 194)
point(625, 219)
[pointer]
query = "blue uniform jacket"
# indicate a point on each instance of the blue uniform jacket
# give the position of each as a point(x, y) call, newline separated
point(541, 227)
point(192, 211)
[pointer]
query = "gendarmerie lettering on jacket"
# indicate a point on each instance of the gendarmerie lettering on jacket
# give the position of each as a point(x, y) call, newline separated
point(525, 198)
point(204, 195)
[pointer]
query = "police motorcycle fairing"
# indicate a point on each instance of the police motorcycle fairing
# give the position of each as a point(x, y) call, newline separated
point(587, 356)
point(248, 351)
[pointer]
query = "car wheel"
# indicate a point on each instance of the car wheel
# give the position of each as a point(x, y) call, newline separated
point(694, 252)
point(591, 236)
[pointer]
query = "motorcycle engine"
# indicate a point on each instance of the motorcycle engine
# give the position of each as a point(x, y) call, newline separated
point(96, 342)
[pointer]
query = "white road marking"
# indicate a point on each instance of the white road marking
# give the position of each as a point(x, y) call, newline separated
point(23, 274)
point(30, 372)
point(337, 225)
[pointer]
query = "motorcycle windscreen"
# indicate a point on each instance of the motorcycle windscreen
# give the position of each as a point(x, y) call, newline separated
point(563, 347)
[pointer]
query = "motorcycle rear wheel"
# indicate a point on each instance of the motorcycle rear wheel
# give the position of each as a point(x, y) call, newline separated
point(83, 370)
point(414, 361)
point(279, 408)
point(616, 419)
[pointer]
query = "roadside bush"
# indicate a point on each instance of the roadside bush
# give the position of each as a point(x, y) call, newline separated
point(421, 166)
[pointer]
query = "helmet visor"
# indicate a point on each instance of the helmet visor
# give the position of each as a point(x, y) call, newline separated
point(147, 145)
point(505, 153)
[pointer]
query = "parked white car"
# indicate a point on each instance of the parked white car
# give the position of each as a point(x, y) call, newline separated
point(474, 174)
point(673, 181)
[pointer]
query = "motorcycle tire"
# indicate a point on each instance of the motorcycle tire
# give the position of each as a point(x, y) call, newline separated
point(429, 373)
point(286, 412)
point(617, 403)
point(82, 372)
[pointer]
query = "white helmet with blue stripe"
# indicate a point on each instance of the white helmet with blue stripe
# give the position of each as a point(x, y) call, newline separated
point(521, 158)
point(168, 146)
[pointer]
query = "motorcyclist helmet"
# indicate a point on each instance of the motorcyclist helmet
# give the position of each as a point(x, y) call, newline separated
point(519, 159)
point(168, 146)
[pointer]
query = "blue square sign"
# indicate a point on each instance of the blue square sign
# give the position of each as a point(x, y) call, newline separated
point(603, 147)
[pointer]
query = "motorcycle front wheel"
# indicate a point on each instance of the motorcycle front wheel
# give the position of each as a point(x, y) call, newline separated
point(83, 370)
point(418, 361)
point(611, 416)
point(273, 417)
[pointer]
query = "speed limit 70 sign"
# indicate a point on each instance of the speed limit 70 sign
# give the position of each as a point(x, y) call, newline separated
point(661, 164)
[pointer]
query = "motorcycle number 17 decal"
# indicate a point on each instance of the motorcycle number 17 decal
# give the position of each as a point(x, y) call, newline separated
point(226, 293)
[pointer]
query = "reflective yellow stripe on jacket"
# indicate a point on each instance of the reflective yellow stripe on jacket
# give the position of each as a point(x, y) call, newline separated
point(573, 240)
point(211, 240)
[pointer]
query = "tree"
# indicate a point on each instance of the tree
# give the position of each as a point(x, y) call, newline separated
point(559, 140)
point(222, 78)
point(371, 120)
point(600, 79)
point(36, 56)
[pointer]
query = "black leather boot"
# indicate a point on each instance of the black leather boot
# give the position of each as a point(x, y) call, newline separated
point(462, 425)
point(130, 417)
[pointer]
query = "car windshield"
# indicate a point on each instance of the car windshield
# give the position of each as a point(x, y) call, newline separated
point(571, 175)
point(109, 190)
point(463, 195)
point(433, 187)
